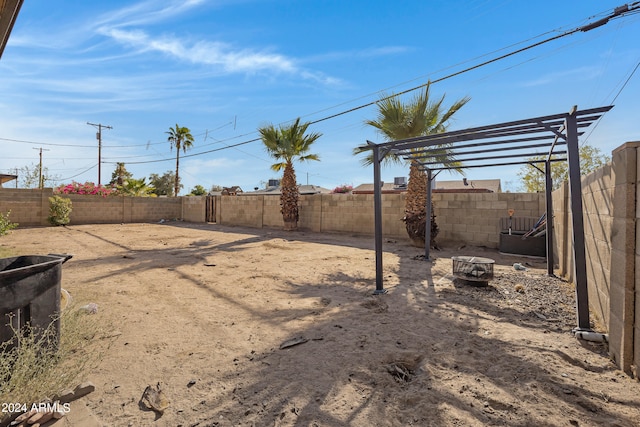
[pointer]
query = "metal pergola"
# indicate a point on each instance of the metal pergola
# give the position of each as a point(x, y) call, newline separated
point(504, 144)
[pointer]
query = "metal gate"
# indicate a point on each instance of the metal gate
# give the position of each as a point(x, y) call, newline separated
point(210, 209)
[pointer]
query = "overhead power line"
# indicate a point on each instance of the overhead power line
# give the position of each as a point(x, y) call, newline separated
point(616, 13)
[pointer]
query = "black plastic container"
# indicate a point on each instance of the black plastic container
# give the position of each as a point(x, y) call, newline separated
point(30, 293)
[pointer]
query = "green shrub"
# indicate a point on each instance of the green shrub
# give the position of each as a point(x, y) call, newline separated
point(5, 224)
point(59, 210)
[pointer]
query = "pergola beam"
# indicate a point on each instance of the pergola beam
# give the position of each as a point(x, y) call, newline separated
point(468, 134)
point(524, 162)
point(563, 128)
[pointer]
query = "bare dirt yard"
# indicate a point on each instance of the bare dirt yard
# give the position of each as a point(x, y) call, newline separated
point(204, 310)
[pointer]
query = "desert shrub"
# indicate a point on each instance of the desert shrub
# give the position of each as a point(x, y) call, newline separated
point(59, 210)
point(35, 370)
point(5, 224)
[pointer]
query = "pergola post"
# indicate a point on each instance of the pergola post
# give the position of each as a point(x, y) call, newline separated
point(579, 252)
point(549, 209)
point(498, 141)
point(377, 209)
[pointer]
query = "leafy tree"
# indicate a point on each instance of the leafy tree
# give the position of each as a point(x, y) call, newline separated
point(29, 176)
point(120, 174)
point(164, 184)
point(398, 120)
point(198, 190)
point(287, 144)
point(215, 187)
point(533, 180)
point(181, 138)
point(136, 188)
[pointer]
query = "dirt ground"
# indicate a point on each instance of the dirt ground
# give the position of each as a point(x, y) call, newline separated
point(204, 310)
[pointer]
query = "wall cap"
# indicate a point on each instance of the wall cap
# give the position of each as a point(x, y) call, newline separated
point(630, 144)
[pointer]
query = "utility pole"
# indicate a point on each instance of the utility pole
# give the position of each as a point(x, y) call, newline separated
point(16, 177)
point(40, 182)
point(99, 138)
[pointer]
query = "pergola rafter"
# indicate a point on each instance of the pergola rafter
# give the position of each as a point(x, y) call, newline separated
point(518, 138)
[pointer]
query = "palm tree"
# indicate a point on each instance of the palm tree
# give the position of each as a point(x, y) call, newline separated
point(397, 120)
point(136, 188)
point(181, 138)
point(286, 145)
point(120, 174)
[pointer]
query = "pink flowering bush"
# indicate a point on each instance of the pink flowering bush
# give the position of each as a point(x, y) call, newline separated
point(88, 188)
point(343, 189)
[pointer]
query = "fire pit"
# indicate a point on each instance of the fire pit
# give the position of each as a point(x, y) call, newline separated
point(473, 269)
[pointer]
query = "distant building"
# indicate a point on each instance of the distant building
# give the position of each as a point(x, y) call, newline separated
point(302, 189)
point(231, 191)
point(465, 185)
point(399, 185)
point(459, 186)
point(7, 178)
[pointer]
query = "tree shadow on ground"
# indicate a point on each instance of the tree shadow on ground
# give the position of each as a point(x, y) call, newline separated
point(426, 353)
point(412, 357)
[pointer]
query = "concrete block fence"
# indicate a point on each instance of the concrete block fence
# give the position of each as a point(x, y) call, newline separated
point(611, 211)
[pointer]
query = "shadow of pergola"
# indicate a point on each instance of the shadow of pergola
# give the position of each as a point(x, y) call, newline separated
point(428, 352)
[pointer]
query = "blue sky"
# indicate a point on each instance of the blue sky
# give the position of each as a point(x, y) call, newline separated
point(225, 67)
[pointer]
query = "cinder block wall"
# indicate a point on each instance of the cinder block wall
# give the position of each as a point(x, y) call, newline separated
point(110, 210)
point(611, 209)
point(598, 214)
point(624, 319)
point(562, 232)
point(473, 218)
point(242, 210)
point(28, 207)
point(462, 218)
point(193, 208)
point(95, 209)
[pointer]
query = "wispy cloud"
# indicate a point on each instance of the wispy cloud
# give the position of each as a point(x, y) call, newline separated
point(582, 73)
point(124, 27)
point(146, 12)
point(203, 52)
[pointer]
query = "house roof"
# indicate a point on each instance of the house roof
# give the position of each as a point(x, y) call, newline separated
point(387, 188)
point(8, 13)
point(303, 189)
point(6, 178)
point(477, 184)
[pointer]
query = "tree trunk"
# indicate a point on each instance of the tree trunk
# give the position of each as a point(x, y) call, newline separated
point(415, 212)
point(289, 198)
point(175, 186)
point(416, 227)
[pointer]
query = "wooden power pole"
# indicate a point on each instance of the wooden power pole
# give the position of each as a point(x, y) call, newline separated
point(99, 138)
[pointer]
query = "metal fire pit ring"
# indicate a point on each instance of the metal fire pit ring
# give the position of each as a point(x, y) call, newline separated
point(473, 269)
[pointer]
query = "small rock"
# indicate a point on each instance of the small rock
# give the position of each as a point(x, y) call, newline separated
point(155, 399)
point(91, 308)
point(519, 267)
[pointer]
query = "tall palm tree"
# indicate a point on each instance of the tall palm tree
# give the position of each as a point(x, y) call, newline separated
point(420, 116)
point(287, 144)
point(181, 138)
point(120, 174)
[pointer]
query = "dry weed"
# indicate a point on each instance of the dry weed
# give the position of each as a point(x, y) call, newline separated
point(34, 371)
